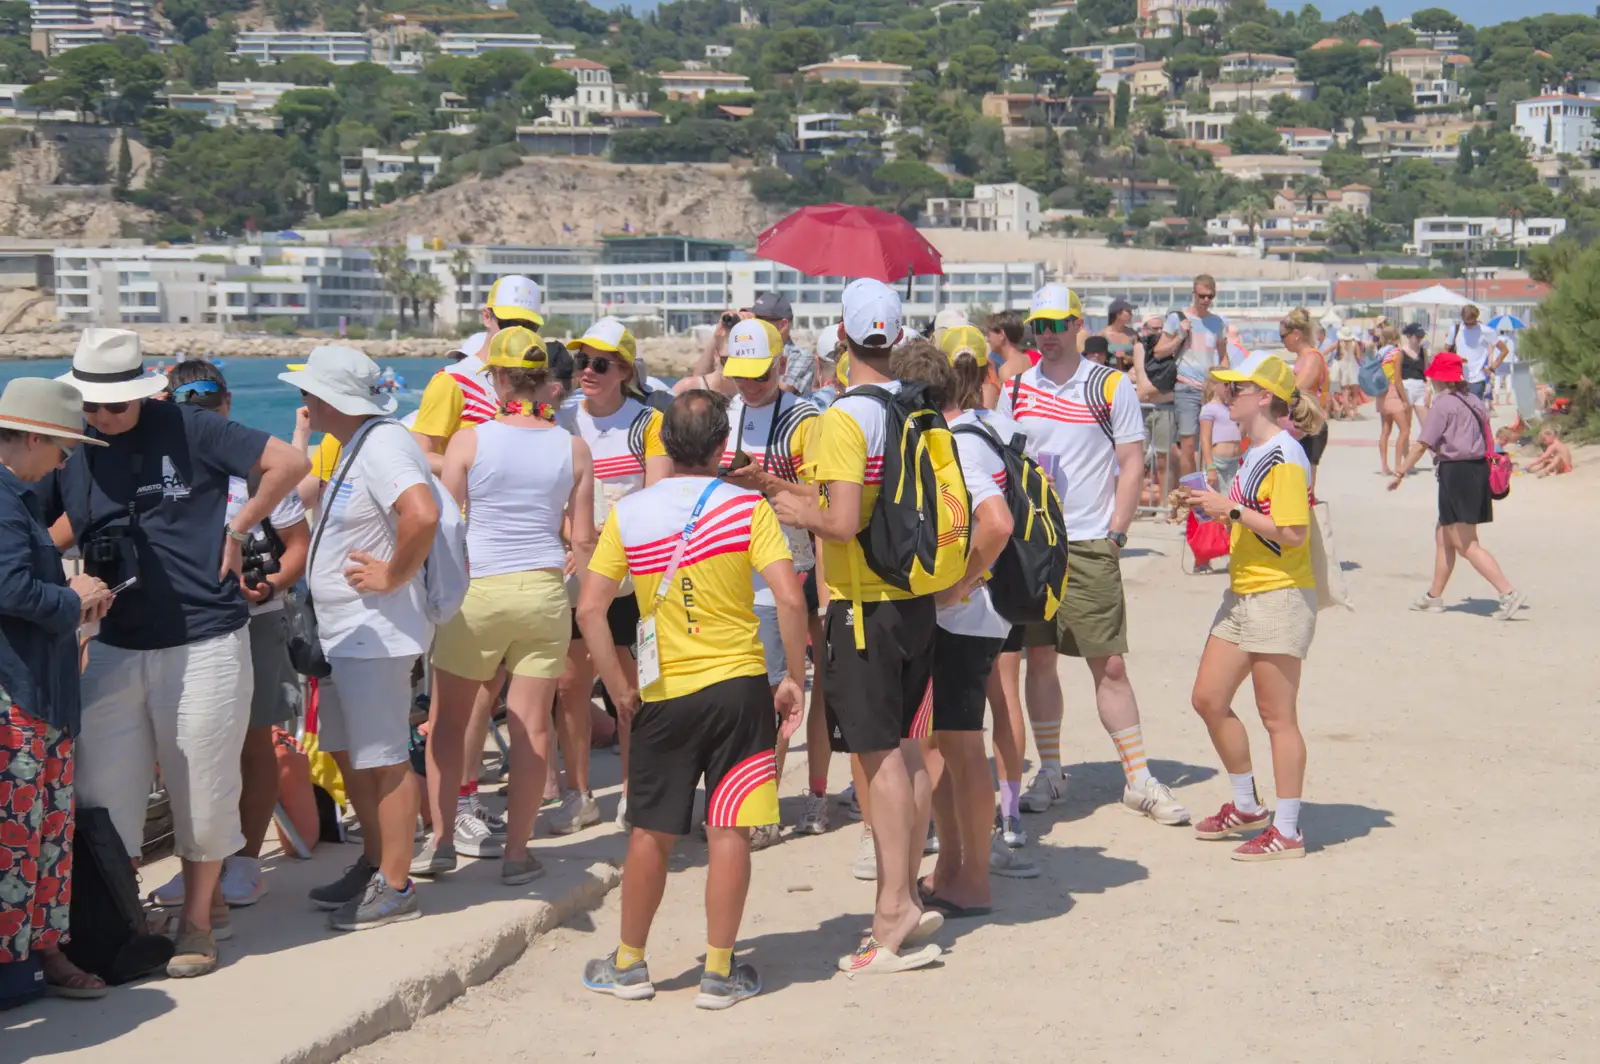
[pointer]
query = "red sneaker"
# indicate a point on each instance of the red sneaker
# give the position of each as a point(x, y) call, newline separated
point(1270, 845)
point(1229, 821)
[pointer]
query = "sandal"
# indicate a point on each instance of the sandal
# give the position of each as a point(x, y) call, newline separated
point(69, 981)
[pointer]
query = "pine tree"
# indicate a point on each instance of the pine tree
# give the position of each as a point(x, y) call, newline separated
point(124, 166)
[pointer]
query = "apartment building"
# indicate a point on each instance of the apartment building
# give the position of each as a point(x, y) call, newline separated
point(273, 46)
point(235, 103)
point(1558, 124)
point(894, 77)
point(1256, 96)
point(1430, 236)
point(1433, 138)
point(1004, 208)
point(694, 84)
point(1108, 56)
point(1045, 19)
point(380, 167)
point(1248, 66)
point(60, 25)
point(473, 45)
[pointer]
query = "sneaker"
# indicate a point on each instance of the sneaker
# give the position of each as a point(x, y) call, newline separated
point(1426, 603)
point(516, 873)
point(630, 984)
point(378, 904)
point(1154, 799)
point(813, 815)
point(435, 859)
point(1009, 863)
point(1011, 831)
point(1230, 821)
point(931, 844)
point(622, 814)
point(852, 805)
point(242, 884)
point(1271, 845)
point(473, 838)
point(1510, 603)
point(350, 885)
point(870, 958)
point(764, 836)
point(726, 991)
point(1048, 787)
point(495, 824)
point(168, 895)
point(194, 954)
point(577, 812)
point(866, 864)
point(352, 829)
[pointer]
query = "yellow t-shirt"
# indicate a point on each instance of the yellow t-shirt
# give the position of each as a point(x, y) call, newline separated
point(1273, 479)
point(847, 445)
point(457, 395)
point(325, 459)
point(706, 628)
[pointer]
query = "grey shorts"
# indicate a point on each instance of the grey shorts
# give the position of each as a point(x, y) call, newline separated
point(1186, 399)
point(277, 690)
point(1160, 426)
point(771, 643)
point(364, 708)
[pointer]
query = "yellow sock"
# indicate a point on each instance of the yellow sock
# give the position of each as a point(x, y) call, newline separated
point(719, 961)
point(1047, 737)
point(1130, 747)
point(628, 956)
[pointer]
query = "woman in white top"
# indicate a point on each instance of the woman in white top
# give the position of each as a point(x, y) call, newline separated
point(517, 476)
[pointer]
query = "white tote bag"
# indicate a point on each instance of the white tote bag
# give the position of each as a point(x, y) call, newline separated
point(1332, 590)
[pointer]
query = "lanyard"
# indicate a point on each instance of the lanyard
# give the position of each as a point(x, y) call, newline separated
point(683, 542)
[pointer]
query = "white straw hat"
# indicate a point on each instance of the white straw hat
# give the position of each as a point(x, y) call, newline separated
point(46, 407)
point(108, 368)
point(343, 378)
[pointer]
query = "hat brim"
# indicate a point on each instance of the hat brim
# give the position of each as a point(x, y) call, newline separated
point(353, 405)
point(1051, 314)
point(601, 345)
point(37, 429)
point(295, 366)
point(747, 368)
point(117, 391)
point(1233, 376)
point(516, 314)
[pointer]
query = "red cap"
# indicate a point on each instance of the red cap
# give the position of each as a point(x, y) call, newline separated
point(1446, 366)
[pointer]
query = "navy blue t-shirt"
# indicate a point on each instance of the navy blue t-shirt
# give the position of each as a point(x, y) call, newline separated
point(174, 466)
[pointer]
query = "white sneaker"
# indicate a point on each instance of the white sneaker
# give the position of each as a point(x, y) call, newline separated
point(242, 884)
point(1004, 861)
point(495, 824)
point(1048, 787)
point(764, 836)
point(1154, 799)
point(168, 895)
point(1510, 603)
point(813, 815)
point(577, 811)
point(472, 836)
point(866, 863)
point(1426, 603)
point(622, 814)
point(852, 805)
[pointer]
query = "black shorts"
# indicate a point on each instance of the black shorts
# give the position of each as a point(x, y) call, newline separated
point(1464, 497)
point(1013, 643)
point(961, 667)
point(724, 733)
point(878, 697)
point(623, 618)
point(1315, 445)
point(808, 584)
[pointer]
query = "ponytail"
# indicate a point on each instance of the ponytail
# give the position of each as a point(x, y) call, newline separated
point(1306, 414)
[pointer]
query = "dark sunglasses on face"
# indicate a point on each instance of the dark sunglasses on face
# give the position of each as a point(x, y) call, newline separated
point(1205, 295)
point(600, 366)
point(1052, 325)
point(110, 408)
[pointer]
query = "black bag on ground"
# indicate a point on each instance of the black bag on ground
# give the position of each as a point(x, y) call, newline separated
point(108, 930)
point(1028, 581)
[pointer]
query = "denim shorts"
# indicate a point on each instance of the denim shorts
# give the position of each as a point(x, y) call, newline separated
point(1186, 397)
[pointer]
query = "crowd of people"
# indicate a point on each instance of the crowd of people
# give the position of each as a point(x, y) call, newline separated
point(696, 551)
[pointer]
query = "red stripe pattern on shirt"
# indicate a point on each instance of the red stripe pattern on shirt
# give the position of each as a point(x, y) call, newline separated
point(625, 465)
point(723, 530)
point(478, 404)
point(1035, 402)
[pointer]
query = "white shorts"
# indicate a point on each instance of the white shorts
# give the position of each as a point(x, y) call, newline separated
point(185, 707)
point(364, 708)
point(1268, 622)
point(1416, 392)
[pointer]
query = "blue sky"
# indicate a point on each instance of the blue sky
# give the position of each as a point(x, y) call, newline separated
point(1476, 12)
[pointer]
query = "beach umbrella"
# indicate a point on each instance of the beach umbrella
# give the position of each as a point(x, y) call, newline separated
point(837, 239)
point(1506, 321)
point(1432, 296)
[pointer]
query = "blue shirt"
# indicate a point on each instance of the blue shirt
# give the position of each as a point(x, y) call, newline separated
point(38, 614)
point(164, 486)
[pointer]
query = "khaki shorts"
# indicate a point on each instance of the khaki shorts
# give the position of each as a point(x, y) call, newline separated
point(1269, 622)
point(519, 618)
point(1093, 619)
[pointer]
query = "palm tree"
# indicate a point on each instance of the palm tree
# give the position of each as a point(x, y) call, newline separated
point(389, 262)
point(1252, 211)
point(1347, 228)
point(427, 289)
point(1310, 186)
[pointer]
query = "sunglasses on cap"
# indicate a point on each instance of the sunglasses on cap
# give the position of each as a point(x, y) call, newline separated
point(110, 408)
point(597, 363)
point(1053, 325)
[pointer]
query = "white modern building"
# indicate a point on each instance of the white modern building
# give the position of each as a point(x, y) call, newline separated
point(273, 46)
point(719, 51)
point(380, 167)
point(1045, 19)
point(1007, 208)
point(236, 103)
point(1108, 56)
point(1558, 124)
point(1245, 66)
point(472, 45)
point(61, 25)
point(1306, 140)
point(1257, 96)
point(826, 131)
point(894, 77)
point(694, 84)
point(1429, 236)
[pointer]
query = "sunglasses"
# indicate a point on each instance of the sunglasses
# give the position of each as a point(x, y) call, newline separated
point(1053, 325)
point(599, 366)
point(1205, 295)
point(110, 408)
point(195, 391)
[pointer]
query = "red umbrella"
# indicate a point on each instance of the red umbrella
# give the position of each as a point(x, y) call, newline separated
point(836, 239)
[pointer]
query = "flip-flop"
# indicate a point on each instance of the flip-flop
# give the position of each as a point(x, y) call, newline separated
point(930, 922)
point(78, 993)
point(872, 959)
point(952, 911)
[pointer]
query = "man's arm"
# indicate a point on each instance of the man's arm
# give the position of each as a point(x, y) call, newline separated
point(989, 537)
point(794, 630)
point(437, 417)
point(417, 517)
point(281, 467)
point(1130, 481)
point(593, 602)
point(581, 533)
point(433, 448)
point(838, 522)
point(458, 456)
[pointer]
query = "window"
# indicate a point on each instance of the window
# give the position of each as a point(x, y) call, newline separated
point(763, 277)
point(235, 299)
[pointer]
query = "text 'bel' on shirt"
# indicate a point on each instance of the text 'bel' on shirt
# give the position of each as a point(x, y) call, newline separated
point(706, 625)
point(360, 516)
point(1065, 435)
point(1274, 479)
point(288, 512)
point(455, 397)
point(164, 484)
point(847, 445)
point(774, 436)
point(985, 475)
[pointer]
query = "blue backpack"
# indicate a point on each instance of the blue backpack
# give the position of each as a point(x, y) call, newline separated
point(1371, 377)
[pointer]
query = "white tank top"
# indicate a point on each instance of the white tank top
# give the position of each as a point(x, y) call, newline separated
point(517, 490)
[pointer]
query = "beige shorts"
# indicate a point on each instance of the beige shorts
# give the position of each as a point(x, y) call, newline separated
point(1269, 622)
point(520, 618)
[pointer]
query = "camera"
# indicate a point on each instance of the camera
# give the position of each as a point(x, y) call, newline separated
point(263, 554)
point(729, 319)
point(110, 555)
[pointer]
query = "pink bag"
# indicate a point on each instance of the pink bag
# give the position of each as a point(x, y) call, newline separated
point(1499, 464)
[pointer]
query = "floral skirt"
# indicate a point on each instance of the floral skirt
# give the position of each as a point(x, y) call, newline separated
point(35, 834)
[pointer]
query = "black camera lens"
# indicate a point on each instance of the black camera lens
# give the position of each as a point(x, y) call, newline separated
point(730, 320)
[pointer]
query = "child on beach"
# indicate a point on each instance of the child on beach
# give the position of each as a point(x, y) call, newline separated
point(1556, 459)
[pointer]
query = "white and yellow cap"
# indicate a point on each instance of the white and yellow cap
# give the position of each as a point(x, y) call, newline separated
point(965, 339)
point(1055, 302)
point(752, 346)
point(516, 298)
point(517, 347)
point(611, 336)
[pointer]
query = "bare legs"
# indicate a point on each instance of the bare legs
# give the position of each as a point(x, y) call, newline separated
point(898, 783)
point(572, 716)
point(644, 881)
point(1276, 680)
point(386, 798)
point(963, 812)
point(1452, 540)
point(528, 702)
point(1005, 703)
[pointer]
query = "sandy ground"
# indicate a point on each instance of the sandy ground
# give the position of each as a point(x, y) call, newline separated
point(1445, 911)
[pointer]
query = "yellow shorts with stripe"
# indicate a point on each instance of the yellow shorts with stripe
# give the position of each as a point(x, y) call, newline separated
point(522, 619)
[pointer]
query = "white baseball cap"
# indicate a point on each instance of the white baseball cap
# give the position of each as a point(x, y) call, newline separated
point(752, 346)
point(872, 313)
point(828, 342)
point(516, 298)
point(948, 318)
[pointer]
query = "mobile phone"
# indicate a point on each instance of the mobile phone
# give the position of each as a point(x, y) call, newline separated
point(740, 460)
point(125, 585)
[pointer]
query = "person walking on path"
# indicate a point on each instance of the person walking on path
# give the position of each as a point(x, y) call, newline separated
point(1393, 408)
point(1269, 612)
point(1457, 432)
point(1199, 337)
point(41, 424)
point(1310, 377)
point(699, 704)
point(1481, 350)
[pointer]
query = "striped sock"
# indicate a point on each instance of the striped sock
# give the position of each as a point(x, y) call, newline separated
point(627, 955)
point(1130, 747)
point(1047, 737)
point(719, 961)
point(466, 795)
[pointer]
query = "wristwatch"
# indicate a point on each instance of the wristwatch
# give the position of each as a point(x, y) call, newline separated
point(240, 538)
point(1119, 538)
point(1235, 513)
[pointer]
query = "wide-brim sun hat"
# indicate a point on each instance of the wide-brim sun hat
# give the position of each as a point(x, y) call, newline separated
point(108, 367)
point(753, 345)
point(44, 407)
point(345, 379)
point(1348, 333)
point(1263, 370)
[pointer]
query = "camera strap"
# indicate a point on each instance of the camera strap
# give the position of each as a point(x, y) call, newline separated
point(346, 461)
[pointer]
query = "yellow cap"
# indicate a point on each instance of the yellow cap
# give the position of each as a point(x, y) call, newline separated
point(841, 369)
point(611, 336)
point(295, 367)
point(516, 348)
point(752, 345)
point(1055, 302)
point(1264, 370)
point(516, 298)
point(967, 339)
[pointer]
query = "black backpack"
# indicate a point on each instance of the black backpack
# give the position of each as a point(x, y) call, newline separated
point(1028, 581)
point(108, 932)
